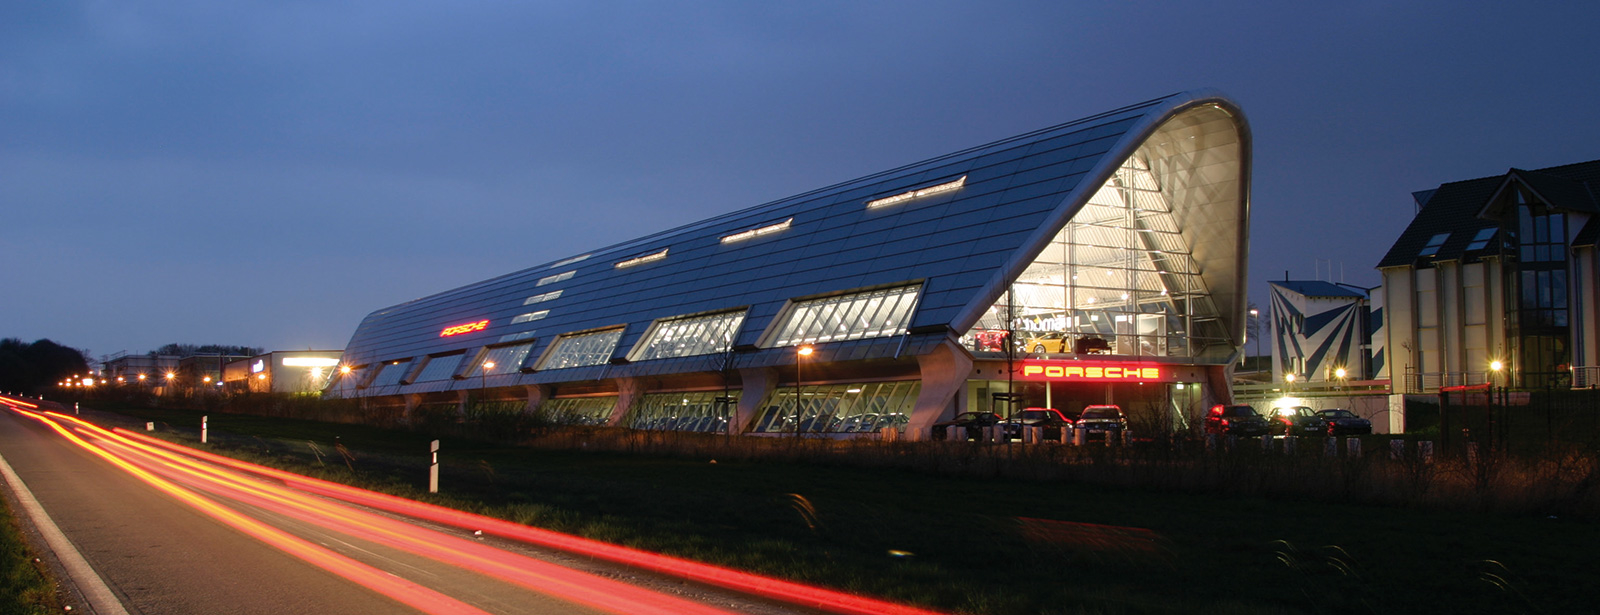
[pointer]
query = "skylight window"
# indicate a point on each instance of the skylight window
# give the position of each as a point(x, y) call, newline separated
point(917, 194)
point(570, 261)
point(544, 297)
point(648, 258)
point(1481, 240)
point(1434, 244)
point(757, 232)
point(530, 316)
point(560, 277)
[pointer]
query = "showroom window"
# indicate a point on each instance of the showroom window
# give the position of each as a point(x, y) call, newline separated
point(838, 408)
point(877, 313)
point(580, 349)
point(578, 410)
point(392, 372)
point(506, 359)
point(440, 368)
point(702, 412)
point(687, 337)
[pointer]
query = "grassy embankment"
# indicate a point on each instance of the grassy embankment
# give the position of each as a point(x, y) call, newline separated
point(978, 529)
point(24, 586)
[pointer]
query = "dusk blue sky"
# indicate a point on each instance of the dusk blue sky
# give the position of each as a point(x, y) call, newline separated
point(267, 173)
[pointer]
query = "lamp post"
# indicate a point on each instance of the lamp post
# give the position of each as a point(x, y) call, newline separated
point(1496, 367)
point(483, 377)
point(1255, 331)
point(800, 355)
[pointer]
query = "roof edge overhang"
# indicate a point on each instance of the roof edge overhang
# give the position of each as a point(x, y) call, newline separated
point(1102, 172)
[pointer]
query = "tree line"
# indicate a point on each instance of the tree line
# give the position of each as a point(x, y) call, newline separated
point(30, 368)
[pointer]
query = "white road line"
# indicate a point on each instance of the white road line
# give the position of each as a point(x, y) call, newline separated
point(101, 600)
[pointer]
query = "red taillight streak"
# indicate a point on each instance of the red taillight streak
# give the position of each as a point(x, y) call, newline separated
point(8, 401)
point(534, 574)
point(405, 592)
point(705, 573)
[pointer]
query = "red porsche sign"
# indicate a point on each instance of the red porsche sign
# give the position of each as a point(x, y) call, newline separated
point(1099, 371)
point(466, 328)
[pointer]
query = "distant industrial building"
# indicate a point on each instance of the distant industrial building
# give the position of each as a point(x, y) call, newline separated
point(150, 370)
point(282, 371)
point(1497, 271)
point(1098, 261)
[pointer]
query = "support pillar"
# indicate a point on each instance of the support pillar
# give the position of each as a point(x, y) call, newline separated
point(628, 390)
point(758, 384)
point(944, 373)
point(412, 401)
point(537, 394)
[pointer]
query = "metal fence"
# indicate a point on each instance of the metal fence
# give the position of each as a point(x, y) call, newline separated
point(1523, 422)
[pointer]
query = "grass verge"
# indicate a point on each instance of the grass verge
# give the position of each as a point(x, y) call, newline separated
point(981, 542)
point(25, 587)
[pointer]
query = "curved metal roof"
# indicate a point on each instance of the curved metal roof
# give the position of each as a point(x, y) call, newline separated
point(963, 245)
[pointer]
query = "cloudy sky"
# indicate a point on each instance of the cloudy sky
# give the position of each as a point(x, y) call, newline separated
point(267, 173)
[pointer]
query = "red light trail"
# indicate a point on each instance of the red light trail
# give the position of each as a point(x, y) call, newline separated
point(185, 473)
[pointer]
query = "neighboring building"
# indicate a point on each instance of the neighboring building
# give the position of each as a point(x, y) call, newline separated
point(1109, 253)
point(142, 369)
point(282, 371)
point(1497, 269)
point(202, 371)
point(1320, 328)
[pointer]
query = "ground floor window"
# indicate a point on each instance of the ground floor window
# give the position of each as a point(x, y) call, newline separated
point(703, 412)
point(866, 407)
point(579, 410)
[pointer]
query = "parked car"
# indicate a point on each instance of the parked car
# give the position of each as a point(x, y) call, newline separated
point(1102, 421)
point(1293, 421)
point(1235, 420)
point(1054, 341)
point(1050, 419)
point(966, 426)
point(1091, 345)
point(1338, 422)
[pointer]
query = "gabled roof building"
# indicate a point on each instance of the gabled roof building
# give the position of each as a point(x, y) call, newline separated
point(1497, 271)
point(1098, 261)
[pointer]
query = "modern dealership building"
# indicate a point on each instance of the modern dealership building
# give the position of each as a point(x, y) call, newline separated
point(1098, 261)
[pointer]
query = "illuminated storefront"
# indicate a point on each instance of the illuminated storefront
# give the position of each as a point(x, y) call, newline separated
point(1097, 261)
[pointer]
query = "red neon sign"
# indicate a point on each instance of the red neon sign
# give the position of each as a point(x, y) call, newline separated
point(1090, 370)
point(466, 328)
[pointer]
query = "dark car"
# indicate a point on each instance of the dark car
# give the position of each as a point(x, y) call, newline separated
point(1293, 421)
point(1102, 421)
point(1235, 420)
point(966, 426)
point(1339, 422)
point(1050, 419)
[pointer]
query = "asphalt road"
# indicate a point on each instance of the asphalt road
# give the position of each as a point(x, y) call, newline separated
point(161, 554)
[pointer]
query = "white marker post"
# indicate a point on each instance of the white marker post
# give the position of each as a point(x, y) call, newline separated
point(203, 430)
point(433, 468)
point(75, 408)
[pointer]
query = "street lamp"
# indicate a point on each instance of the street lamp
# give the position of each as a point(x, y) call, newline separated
point(1255, 328)
point(483, 375)
point(800, 354)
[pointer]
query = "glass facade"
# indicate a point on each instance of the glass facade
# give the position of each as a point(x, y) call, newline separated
point(391, 373)
point(583, 349)
point(687, 337)
point(838, 408)
point(1540, 321)
point(705, 411)
point(578, 410)
point(440, 368)
point(506, 359)
point(1118, 279)
point(530, 316)
point(877, 313)
point(348, 381)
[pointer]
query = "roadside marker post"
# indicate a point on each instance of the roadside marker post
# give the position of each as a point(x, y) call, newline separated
point(203, 429)
point(433, 467)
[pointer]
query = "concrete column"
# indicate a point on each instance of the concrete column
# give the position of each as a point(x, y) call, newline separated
point(463, 398)
point(944, 373)
point(412, 401)
point(759, 382)
point(628, 390)
point(537, 394)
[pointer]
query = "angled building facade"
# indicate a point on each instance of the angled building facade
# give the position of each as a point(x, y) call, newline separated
point(1497, 270)
point(1101, 260)
point(1322, 331)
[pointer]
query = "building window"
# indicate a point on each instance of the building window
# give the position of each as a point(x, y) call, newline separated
point(506, 359)
point(702, 412)
point(577, 350)
point(1434, 243)
point(440, 368)
point(392, 372)
point(542, 298)
point(877, 313)
point(530, 316)
point(838, 408)
point(560, 277)
point(578, 410)
point(1481, 240)
point(687, 337)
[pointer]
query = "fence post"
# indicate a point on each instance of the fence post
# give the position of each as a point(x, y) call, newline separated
point(433, 467)
point(1080, 436)
point(1330, 447)
point(1266, 444)
point(1425, 451)
point(1353, 446)
point(1288, 445)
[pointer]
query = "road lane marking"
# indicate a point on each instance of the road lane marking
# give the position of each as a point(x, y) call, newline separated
point(101, 599)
